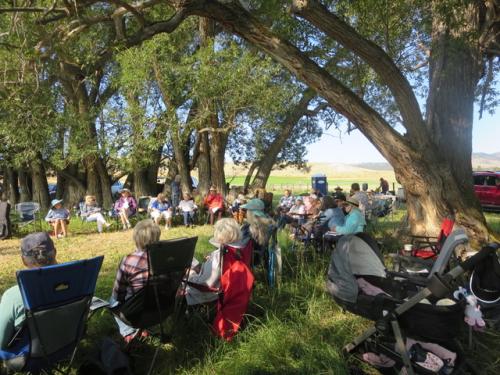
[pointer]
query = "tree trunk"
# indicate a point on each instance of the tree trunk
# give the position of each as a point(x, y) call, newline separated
point(11, 185)
point(93, 179)
point(415, 156)
point(105, 181)
point(204, 169)
point(249, 175)
point(143, 186)
point(271, 154)
point(25, 186)
point(40, 185)
point(217, 153)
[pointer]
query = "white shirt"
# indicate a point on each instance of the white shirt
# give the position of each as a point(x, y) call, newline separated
point(187, 206)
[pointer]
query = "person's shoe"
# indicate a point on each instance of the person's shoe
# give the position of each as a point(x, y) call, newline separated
point(167, 227)
point(60, 235)
point(107, 225)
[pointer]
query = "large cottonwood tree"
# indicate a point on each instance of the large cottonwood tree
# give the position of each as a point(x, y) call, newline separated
point(432, 151)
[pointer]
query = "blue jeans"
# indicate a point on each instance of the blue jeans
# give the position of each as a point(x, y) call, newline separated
point(188, 217)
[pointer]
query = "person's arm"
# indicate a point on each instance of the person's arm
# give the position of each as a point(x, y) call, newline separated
point(7, 319)
point(350, 225)
point(118, 204)
point(209, 274)
point(120, 285)
point(50, 216)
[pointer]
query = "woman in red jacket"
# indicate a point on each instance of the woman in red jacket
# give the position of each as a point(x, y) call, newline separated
point(214, 202)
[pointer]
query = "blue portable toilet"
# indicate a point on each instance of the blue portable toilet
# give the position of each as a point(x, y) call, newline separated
point(319, 182)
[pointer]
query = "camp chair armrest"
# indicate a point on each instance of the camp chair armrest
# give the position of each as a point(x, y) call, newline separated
point(97, 304)
point(420, 281)
point(203, 287)
point(430, 239)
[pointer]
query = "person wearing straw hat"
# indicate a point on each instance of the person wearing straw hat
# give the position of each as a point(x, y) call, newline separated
point(37, 250)
point(125, 207)
point(354, 219)
point(58, 218)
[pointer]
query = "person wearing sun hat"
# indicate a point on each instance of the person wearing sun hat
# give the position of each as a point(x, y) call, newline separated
point(354, 219)
point(37, 250)
point(58, 218)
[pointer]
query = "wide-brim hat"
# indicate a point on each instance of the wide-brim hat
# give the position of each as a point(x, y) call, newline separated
point(53, 202)
point(256, 206)
point(338, 188)
point(125, 190)
point(353, 201)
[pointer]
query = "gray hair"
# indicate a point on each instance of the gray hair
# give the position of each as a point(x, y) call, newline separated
point(259, 227)
point(146, 232)
point(227, 231)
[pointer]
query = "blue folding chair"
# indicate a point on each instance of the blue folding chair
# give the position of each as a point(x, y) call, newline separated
point(56, 303)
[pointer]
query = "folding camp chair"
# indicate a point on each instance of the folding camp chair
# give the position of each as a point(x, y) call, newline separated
point(234, 290)
point(168, 263)
point(56, 303)
point(143, 205)
point(427, 247)
point(429, 266)
point(27, 212)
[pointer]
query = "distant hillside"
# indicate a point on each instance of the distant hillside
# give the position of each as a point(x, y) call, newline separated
point(374, 166)
point(480, 160)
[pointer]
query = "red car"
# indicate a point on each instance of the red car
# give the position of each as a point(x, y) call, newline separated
point(487, 189)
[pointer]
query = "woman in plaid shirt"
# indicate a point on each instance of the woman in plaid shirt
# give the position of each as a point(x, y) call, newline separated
point(133, 270)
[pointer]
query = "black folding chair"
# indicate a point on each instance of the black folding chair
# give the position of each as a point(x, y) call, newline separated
point(168, 263)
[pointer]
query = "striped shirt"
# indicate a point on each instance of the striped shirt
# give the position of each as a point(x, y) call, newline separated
point(131, 277)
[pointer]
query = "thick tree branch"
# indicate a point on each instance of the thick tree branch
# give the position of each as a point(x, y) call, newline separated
point(237, 20)
point(373, 55)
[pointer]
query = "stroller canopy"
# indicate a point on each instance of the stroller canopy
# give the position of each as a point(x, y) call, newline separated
point(355, 255)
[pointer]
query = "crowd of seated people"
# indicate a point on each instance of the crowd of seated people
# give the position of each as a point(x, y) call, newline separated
point(37, 250)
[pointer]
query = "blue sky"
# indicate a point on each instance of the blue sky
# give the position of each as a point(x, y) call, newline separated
point(355, 148)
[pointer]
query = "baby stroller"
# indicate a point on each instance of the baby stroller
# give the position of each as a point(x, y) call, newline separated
point(416, 321)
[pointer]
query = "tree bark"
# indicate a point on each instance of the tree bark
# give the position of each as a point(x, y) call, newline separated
point(250, 172)
point(25, 185)
point(40, 185)
point(11, 185)
point(204, 168)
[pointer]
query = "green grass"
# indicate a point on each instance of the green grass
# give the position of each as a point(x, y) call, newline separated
point(296, 329)
point(303, 184)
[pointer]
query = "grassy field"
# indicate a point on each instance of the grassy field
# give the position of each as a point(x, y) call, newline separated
point(303, 184)
point(296, 329)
